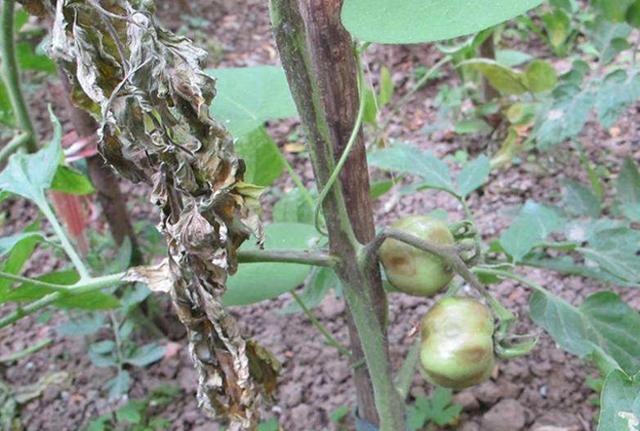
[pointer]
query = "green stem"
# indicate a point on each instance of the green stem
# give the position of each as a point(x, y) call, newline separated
point(16, 356)
point(20, 279)
point(408, 369)
point(353, 138)
point(287, 256)
point(327, 335)
point(13, 145)
point(298, 182)
point(65, 242)
point(11, 76)
point(79, 288)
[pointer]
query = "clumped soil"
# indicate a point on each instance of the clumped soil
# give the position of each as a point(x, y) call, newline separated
point(545, 388)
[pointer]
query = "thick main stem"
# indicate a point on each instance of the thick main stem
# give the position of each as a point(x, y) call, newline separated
point(317, 55)
point(11, 75)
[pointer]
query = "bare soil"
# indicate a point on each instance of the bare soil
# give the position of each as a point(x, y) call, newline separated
point(546, 387)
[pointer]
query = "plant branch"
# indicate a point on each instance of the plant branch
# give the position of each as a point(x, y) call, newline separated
point(11, 76)
point(287, 256)
point(13, 145)
point(79, 288)
point(65, 242)
point(39, 283)
point(449, 254)
point(320, 327)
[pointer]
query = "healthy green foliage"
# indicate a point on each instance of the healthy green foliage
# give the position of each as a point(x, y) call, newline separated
point(620, 401)
point(438, 409)
point(255, 282)
point(603, 328)
point(249, 96)
point(419, 21)
point(261, 156)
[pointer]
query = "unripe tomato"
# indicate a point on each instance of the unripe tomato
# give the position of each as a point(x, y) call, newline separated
point(411, 270)
point(457, 343)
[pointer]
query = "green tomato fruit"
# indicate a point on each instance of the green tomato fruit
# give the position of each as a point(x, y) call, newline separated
point(411, 270)
point(457, 343)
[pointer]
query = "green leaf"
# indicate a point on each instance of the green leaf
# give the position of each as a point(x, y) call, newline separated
point(473, 175)
point(103, 347)
point(270, 425)
point(540, 76)
point(511, 58)
point(31, 292)
point(557, 24)
point(261, 156)
point(419, 21)
point(628, 190)
point(564, 117)
point(18, 256)
point(6, 110)
point(146, 355)
point(71, 181)
point(249, 96)
point(532, 225)
point(7, 243)
point(619, 402)
point(339, 414)
point(568, 266)
point(616, 251)
point(603, 33)
point(131, 412)
point(633, 14)
point(317, 286)
point(472, 125)
point(603, 326)
point(613, 10)
point(370, 115)
point(89, 301)
point(81, 327)
point(293, 207)
point(379, 188)
point(504, 79)
point(615, 95)
point(29, 60)
point(119, 385)
point(386, 86)
point(408, 159)
point(255, 282)
point(579, 200)
point(29, 175)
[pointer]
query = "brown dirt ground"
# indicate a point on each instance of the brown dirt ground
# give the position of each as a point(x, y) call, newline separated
point(549, 384)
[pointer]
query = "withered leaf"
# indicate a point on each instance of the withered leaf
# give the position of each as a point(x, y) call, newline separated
point(147, 88)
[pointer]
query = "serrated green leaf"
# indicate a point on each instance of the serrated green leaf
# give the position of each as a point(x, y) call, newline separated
point(616, 251)
point(261, 156)
point(628, 190)
point(602, 325)
point(532, 225)
point(119, 385)
point(249, 96)
point(408, 159)
point(540, 76)
point(255, 282)
point(18, 256)
point(615, 95)
point(29, 175)
point(317, 287)
point(71, 181)
point(564, 117)
point(602, 33)
point(473, 175)
point(579, 200)
point(620, 402)
point(419, 21)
